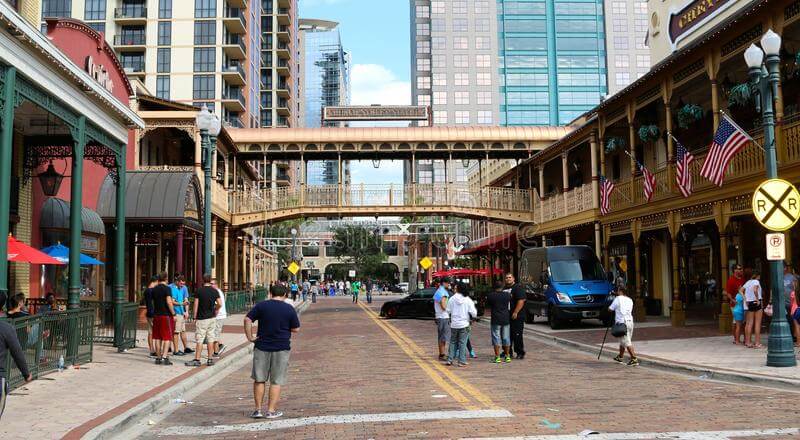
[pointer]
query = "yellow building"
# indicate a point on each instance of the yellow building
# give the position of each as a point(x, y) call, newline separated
point(670, 247)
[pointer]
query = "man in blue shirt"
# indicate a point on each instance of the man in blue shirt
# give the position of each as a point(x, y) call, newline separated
point(180, 299)
point(442, 317)
point(277, 320)
point(294, 288)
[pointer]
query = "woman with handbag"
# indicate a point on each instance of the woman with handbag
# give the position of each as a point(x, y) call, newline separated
point(623, 325)
point(754, 310)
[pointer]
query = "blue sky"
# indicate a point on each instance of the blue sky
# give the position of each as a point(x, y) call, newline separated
point(376, 33)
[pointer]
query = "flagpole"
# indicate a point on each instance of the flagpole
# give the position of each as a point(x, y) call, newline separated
point(639, 164)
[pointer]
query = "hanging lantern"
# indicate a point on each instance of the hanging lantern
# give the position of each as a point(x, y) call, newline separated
point(50, 180)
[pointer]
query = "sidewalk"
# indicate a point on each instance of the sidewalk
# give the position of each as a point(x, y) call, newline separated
point(697, 347)
point(51, 406)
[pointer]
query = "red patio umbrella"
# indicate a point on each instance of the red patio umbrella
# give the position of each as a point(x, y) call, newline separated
point(21, 252)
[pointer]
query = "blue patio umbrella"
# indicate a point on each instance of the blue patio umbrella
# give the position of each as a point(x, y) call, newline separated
point(61, 253)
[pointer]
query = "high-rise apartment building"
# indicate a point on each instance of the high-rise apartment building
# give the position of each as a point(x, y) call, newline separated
point(280, 85)
point(212, 52)
point(325, 67)
point(626, 42)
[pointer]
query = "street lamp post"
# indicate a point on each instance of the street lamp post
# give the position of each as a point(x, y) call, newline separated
point(294, 251)
point(209, 126)
point(764, 77)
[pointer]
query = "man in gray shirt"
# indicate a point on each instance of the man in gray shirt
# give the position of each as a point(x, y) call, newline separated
point(10, 343)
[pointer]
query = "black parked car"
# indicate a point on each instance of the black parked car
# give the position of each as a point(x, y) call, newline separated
point(416, 305)
point(419, 305)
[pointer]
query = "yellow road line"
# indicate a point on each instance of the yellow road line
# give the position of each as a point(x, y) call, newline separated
point(474, 392)
point(452, 391)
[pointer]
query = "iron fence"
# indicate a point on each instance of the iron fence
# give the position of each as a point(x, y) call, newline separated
point(47, 337)
point(103, 329)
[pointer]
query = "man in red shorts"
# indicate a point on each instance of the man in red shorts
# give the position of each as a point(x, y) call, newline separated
point(163, 319)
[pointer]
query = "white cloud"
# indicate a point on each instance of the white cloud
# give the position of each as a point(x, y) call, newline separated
point(375, 84)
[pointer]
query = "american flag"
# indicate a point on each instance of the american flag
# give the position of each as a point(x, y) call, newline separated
point(728, 141)
point(683, 174)
point(606, 187)
point(649, 180)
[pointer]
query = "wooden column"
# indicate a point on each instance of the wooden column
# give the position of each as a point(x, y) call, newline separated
point(567, 238)
point(214, 261)
point(639, 309)
point(677, 314)
point(725, 316)
point(595, 177)
point(564, 180)
point(541, 191)
point(226, 257)
point(632, 137)
point(597, 244)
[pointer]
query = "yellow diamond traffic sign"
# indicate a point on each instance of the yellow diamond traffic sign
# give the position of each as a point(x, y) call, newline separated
point(426, 263)
point(293, 268)
point(776, 204)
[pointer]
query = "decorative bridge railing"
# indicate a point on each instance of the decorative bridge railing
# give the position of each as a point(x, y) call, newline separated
point(406, 197)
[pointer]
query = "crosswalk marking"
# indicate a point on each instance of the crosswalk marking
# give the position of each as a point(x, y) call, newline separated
point(336, 419)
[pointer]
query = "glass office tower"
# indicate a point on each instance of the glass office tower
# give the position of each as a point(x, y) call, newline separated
point(552, 60)
point(326, 82)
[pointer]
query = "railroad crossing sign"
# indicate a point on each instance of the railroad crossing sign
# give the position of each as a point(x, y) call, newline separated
point(776, 204)
point(426, 263)
point(293, 268)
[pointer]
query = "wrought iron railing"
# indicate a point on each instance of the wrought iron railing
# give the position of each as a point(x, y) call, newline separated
point(315, 196)
point(103, 332)
point(48, 337)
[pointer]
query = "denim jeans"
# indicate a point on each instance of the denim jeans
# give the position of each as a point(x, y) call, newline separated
point(458, 344)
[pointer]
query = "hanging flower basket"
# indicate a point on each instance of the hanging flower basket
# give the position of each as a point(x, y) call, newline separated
point(614, 143)
point(689, 114)
point(649, 133)
point(740, 95)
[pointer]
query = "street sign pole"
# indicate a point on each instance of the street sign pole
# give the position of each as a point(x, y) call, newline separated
point(780, 349)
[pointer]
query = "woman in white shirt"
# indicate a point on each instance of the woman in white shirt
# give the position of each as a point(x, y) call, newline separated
point(751, 290)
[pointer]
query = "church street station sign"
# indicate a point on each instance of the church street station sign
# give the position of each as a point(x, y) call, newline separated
point(376, 113)
point(689, 18)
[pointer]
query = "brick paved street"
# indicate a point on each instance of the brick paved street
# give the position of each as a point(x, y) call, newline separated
point(346, 361)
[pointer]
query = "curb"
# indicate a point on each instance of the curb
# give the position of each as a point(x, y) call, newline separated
point(700, 371)
point(113, 427)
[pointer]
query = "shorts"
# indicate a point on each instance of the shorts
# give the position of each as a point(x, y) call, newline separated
point(163, 327)
point(218, 329)
point(180, 324)
point(443, 329)
point(270, 366)
point(753, 306)
point(205, 330)
point(796, 315)
point(501, 334)
point(3, 394)
point(625, 341)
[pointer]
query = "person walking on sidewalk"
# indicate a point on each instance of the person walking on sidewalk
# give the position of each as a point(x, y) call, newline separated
point(314, 292)
point(753, 310)
point(180, 299)
point(461, 310)
point(163, 319)
point(518, 311)
point(738, 318)
point(370, 286)
point(222, 313)
point(9, 343)
point(205, 310)
point(732, 287)
point(622, 306)
point(147, 302)
point(441, 316)
point(276, 320)
point(498, 301)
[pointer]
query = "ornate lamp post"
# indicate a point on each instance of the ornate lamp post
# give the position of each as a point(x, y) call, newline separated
point(764, 77)
point(209, 126)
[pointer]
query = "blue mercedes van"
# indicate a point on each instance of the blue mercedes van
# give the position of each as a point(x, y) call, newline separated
point(565, 284)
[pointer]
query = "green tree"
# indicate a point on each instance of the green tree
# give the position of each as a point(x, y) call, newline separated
point(361, 248)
